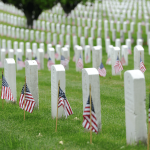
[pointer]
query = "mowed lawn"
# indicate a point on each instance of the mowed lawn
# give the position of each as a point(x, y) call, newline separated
point(17, 134)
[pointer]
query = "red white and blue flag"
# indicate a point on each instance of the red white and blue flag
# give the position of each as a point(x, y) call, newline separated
point(102, 70)
point(80, 63)
point(64, 102)
point(6, 91)
point(118, 66)
point(49, 63)
point(64, 61)
point(56, 55)
point(108, 60)
point(129, 50)
point(142, 66)
point(87, 57)
point(29, 100)
point(20, 63)
point(86, 116)
point(123, 61)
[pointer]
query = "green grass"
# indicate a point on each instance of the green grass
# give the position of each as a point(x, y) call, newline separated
point(17, 134)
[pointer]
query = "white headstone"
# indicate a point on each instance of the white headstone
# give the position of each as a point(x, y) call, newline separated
point(138, 52)
point(114, 54)
point(40, 57)
point(3, 53)
point(31, 71)
point(96, 56)
point(78, 52)
point(10, 75)
point(28, 54)
point(87, 54)
point(57, 74)
point(10, 53)
point(90, 76)
point(18, 56)
point(135, 113)
point(124, 52)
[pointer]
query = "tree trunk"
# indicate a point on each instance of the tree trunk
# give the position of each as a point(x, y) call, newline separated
point(29, 20)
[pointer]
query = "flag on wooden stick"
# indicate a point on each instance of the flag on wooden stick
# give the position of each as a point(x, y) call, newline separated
point(142, 66)
point(49, 63)
point(86, 116)
point(118, 66)
point(64, 102)
point(102, 70)
point(28, 98)
point(6, 91)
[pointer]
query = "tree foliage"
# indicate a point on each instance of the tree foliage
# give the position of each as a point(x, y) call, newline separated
point(33, 8)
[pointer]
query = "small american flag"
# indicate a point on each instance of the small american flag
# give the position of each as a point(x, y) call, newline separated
point(108, 60)
point(20, 63)
point(29, 100)
point(64, 102)
point(74, 58)
point(123, 61)
point(118, 66)
point(86, 116)
point(56, 55)
point(64, 61)
point(87, 57)
point(142, 66)
point(49, 63)
point(102, 70)
point(80, 63)
point(129, 50)
point(37, 62)
point(6, 91)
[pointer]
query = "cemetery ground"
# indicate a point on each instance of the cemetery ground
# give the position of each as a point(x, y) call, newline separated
point(15, 133)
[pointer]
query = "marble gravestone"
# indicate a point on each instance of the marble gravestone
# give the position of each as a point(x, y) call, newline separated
point(87, 54)
point(140, 42)
point(51, 54)
point(135, 109)
point(96, 56)
point(34, 49)
point(40, 57)
point(78, 52)
point(3, 53)
point(138, 52)
point(65, 53)
point(57, 74)
point(29, 54)
point(114, 53)
point(10, 53)
point(18, 55)
point(31, 71)
point(21, 46)
point(99, 42)
point(128, 43)
point(107, 43)
point(58, 51)
point(90, 76)
point(124, 52)
point(10, 75)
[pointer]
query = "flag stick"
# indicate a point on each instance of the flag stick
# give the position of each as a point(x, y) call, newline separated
point(2, 99)
point(24, 96)
point(57, 106)
point(148, 122)
point(90, 119)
